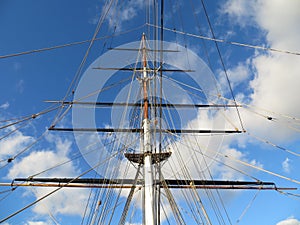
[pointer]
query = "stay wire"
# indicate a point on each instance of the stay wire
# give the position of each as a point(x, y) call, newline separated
point(223, 114)
point(70, 44)
point(184, 169)
point(245, 106)
point(210, 192)
point(223, 64)
point(96, 197)
point(259, 168)
point(15, 130)
point(213, 158)
point(86, 207)
point(161, 60)
point(177, 214)
point(273, 145)
point(247, 207)
point(61, 114)
point(185, 172)
point(229, 42)
point(103, 89)
point(206, 52)
point(75, 80)
point(26, 121)
point(290, 124)
point(272, 112)
point(31, 204)
point(9, 160)
point(102, 216)
point(78, 155)
point(288, 194)
point(108, 201)
point(32, 116)
point(50, 193)
point(166, 216)
point(54, 220)
point(125, 173)
point(9, 192)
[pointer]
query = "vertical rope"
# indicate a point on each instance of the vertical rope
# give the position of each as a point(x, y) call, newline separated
point(223, 65)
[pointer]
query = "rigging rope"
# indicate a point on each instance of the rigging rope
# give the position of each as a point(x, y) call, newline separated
point(289, 194)
point(9, 160)
point(194, 193)
point(129, 198)
point(30, 117)
point(210, 192)
point(70, 44)
point(55, 190)
point(259, 168)
point(227, 42)
point(247, 208)
point(223, 65)
point(244, 106)
point(13, 131)
point(75, 80)
point(176, 211)
point(274, 145)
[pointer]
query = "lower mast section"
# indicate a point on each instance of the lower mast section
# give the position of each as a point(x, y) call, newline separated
point(149, 215)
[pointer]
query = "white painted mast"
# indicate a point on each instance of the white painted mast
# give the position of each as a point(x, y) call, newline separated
point(149, 214)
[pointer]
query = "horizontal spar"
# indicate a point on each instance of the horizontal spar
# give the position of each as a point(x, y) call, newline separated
point(142, 69)
point(140, 181)
point(138, 130)
point(129, 183)
point(71, 185)
point(147, 49)
point(175, 105)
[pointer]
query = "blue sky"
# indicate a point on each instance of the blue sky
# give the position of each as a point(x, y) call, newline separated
point(267, 81)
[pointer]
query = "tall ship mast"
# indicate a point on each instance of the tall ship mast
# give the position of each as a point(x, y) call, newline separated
point(149, 119)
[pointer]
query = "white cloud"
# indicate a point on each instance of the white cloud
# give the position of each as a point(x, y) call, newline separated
point(124, 13)
point(225, 172)
point(37, 223)
point(240, 73)
point(17, 66)
point(237, 75)
point(120, 13)
point(4, 105)
point(14, 144)
point(65, 201)
point(20, 86)
point(132, 223)
point(280, 21)
point(286, 165)
point(276, 82)
point(240, 11)
point(41, 160)
point(44, 159)
point(289, 221)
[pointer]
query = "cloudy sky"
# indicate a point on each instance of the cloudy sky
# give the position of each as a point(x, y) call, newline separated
point(266, 82)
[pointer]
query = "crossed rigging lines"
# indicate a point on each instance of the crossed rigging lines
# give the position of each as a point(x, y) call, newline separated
point(151, 25)
point(94, 39)
point(30, 117)
point(44, 112)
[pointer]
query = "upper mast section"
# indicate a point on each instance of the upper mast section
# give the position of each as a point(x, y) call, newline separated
point(145, 77)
